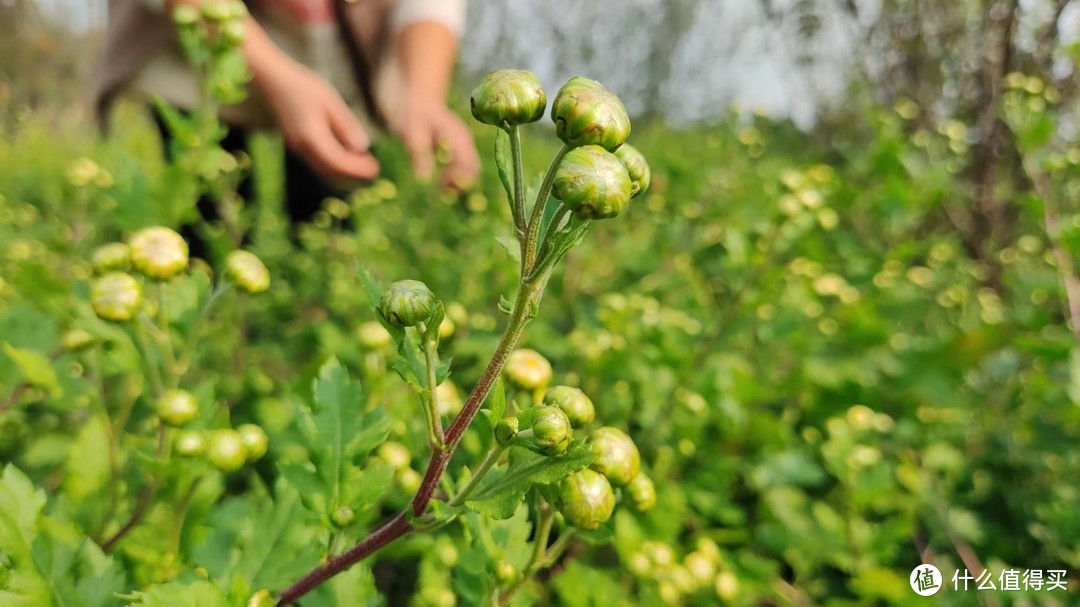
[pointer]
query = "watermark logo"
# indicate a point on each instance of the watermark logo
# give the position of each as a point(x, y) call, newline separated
point(925, 580)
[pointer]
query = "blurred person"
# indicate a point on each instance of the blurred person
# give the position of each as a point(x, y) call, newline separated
point(327, 74)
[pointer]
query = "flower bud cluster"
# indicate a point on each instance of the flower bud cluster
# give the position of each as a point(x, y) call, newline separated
point(226, 449)
point(703, 570)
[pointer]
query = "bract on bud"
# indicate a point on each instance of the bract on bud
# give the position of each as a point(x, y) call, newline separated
point(506, 98)
point(586, 113)
point(637, 167)
point(617, 456)
point(574, 403)
point(407, 303)
point(641, 492)
point(506, 430)
point(177, 407)
point(158, 252)
point(586, 499)
point(592, 183)
point(247, 271)
point(115, 256)
point(116, 296)
point(551, 431)
point(528, 369)
point(254, 439)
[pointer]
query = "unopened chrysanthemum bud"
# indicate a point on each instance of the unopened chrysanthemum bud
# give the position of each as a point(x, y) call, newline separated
point(158, 252)
point(234, 33)
point(637, 167)
point(409, 479)
point(342, 517)
point(373, 335)
point(641, 492)
point(506, 430)
point(528, 369)
point(189, 443)
point(551, 431)
point(395, 454)
point(177, 407)
point(116, 296)
point(247, 271)
point(115, 256)
point(586, 113)
point(254, 439)
point(592, 183)
point(446, 327)
point(407, 303)
point(448, 398)
point(225, 450)
point(507, 98)
point(185, 15)
point(76, 339)
point(586, 500)
point(504, 571)
point(574, 403)
point(617, 456)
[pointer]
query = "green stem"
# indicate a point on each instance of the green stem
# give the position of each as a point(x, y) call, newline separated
point(558, 548)
point(431, 407)
point(519, 185)
point(193, 336)
point(540, 552)
point(148, 357)
point(172, 371)
point(489, 460)
point(536, 217)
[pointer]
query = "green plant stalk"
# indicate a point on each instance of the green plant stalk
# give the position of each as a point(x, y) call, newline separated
point(193, 336)
point(172, 370)
point(489, 460)
point(519, 186)
point(144, 346)
point(539, 555)
point(536, 217)
point(431, 404)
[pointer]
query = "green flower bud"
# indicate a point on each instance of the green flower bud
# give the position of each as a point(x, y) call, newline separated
point(158, 252)
point(586, 113)
point(586, 500)
point(407, 303)
point(254, 439)
point(226, 451)
point(116, 296)
point(506, 430)
point(617, 456)
point(449, 398)
point(217, 11)
point(409, 480)
point(504, 571)
point(508, 97)
point(76, 339)
point(551, 431)
point(641, 492)
point(637, 167)
point(262, 598)
point(177, 407)
point(247, 271)
point(395, 454)
point(372, 335)
point(234, 33)
point(574, 403)
point(592, 183)
point(189, 443)
point(342, 517)
point(185, 15)
point(115, 256)
point(528, 369)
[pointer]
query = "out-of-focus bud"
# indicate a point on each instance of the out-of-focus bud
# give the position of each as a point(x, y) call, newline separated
point(506, 430)
point(701, 567)
point(586, 113)
point(409, 480)
point(504, 571)
point(641, 492)
point(446, 327)
point(185, 15)
point(586, 499)
point(225, 450)
point(76, 339)
point(373, 335)
point(507, 98)
point(234, 33)
point(262, 598)
point(551, 431)
point(449, 398)
point(112, 257)
point(617, 456)
point(189, 443)
point(342, 517)
point(395, 454)
point(116, 296)
point(254, 439)
point(407, 303)
point(158, 252)
point(637, 167)
point(247, 271)
point(177, 407)
point(574, 403)
point(592, 183)
point(528, 369)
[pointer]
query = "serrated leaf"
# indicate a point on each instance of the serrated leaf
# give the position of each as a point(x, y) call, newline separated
point(88, 460)
point(496, 402)
point(176, 594)
point(35, 368)
point(512, 246)
point(20, 504)
point(503, 491)
point(498, 507)
point(307, 484)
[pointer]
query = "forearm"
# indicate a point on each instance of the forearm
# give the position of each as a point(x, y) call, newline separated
point(427, 50)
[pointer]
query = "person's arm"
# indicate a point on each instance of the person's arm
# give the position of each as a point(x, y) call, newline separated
point(315, 121)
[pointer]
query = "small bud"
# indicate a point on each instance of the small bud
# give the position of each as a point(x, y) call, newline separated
point(617, 456)
point(637, 167)
point(586, 500)
point(185, 15)
point(372, 335)
point(247, 271)
point(76, 339)
point(592, 183)
point(586, 113)
point(395, 454)
point(189, 443)
point(449, 398)
point(508, 97)
point(177, 407)
point(407, 303)
point(506, 430)
point(641, 493)
point(505, 572)
point(409, 480)
point(216, 11)
point(116, 296)
point(225, 450)
point(574, 403)
point(551, 431)
point(342, 517)
point(158, 252)
point(446, 327)
point(254, 439)
point(115, 256)
point(528, 369)
point(234, 33)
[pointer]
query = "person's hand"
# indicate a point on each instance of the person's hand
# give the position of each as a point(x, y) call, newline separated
point(316, 122)
point(423, 127)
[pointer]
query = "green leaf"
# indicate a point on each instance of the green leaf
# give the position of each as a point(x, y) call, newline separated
point(176, 594)
point(498, 507)
point(88, 460)
point(496, 402)
point(36, 369)
point(504, 163)
point(512, 246)
point(503, 491)
point(20, 504)
point(307, 484)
